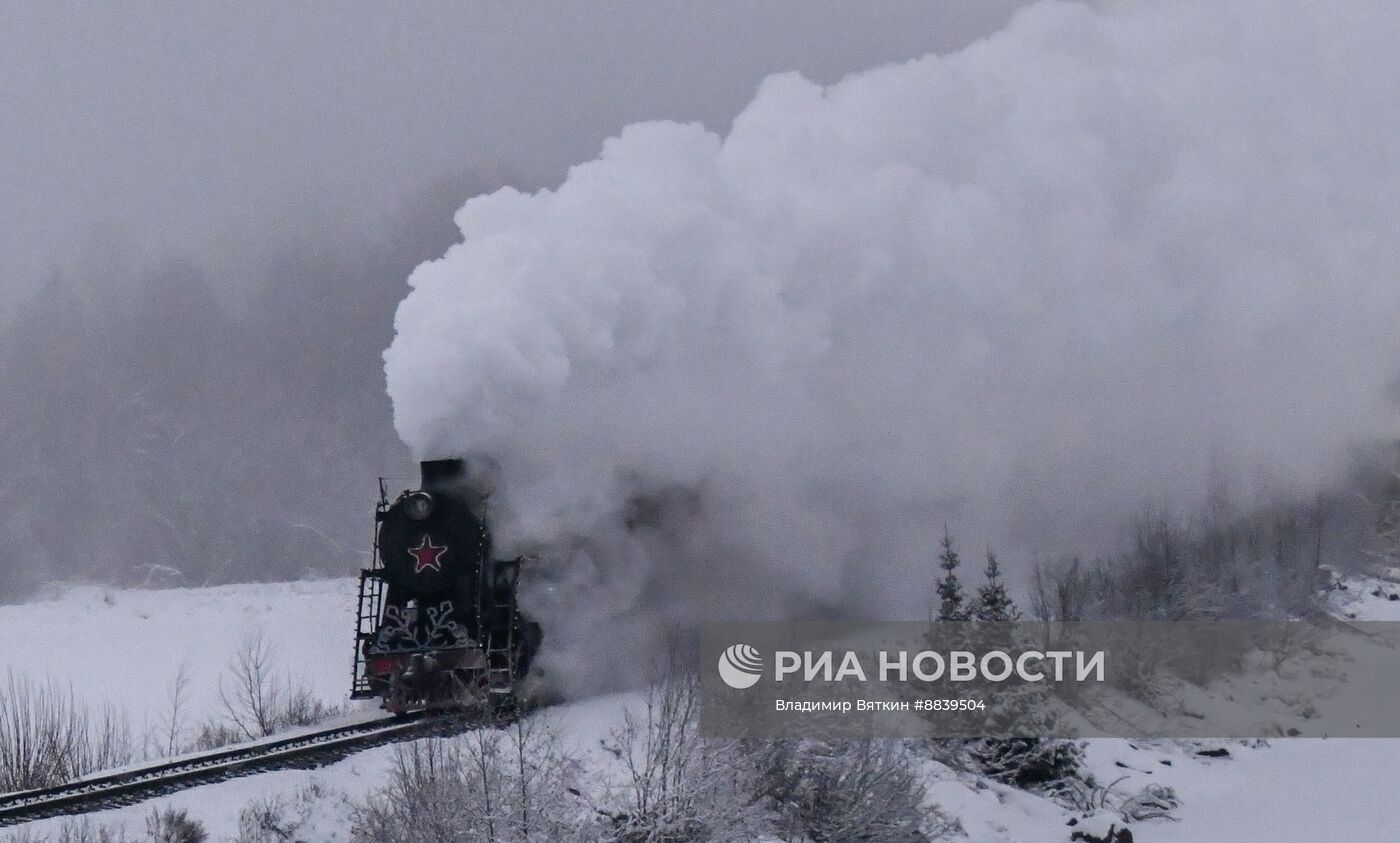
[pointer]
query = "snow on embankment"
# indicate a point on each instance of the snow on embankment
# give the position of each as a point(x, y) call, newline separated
point(320, 800)
point(1374, 597)
point(1287, 790)
point(125, 647)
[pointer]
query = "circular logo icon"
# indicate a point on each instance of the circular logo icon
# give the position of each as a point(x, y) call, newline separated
point(740, 666)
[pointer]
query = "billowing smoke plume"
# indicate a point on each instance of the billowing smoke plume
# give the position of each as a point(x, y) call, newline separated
point(1097, 260)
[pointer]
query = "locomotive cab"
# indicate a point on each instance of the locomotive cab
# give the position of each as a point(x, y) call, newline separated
point(438, 623)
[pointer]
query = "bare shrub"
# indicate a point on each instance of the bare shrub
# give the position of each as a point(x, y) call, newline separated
point(1141, 668)
point(1285, 641)
point(829, 792)
point(279, 818)
point(79, 830)
point(1062, 591)
point(173, 825)
point(266, 820)
point(1264, 562)
point(214, 734)
point(302, 708)
point(258, 701)
point(48, 737)
point(508, 785)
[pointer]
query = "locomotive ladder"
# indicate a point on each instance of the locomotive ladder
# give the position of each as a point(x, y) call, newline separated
point(370, 607)
point(500, 679)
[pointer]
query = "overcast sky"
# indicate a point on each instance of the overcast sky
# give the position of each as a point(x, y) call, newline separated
point(225, 134)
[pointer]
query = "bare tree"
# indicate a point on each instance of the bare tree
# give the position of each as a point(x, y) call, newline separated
point(257, 700)
point(168, 738)
point(251, 695)
point(1061, 591)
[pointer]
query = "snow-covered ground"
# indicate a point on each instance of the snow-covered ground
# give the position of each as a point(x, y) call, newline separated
point(125, 647)
point(1368, 598)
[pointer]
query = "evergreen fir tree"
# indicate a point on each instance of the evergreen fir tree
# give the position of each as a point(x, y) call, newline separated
point(950, 591)
point(993, 602)
point(1034, 763)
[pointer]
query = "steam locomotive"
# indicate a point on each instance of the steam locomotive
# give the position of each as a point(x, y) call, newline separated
point(438, 623)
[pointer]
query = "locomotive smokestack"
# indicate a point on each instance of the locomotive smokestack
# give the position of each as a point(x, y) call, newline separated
point(444, 475)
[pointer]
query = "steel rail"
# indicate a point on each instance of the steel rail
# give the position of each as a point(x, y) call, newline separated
point(305, 751)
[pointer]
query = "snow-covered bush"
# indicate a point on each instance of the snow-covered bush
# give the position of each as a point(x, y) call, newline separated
point(1154, 801)
point(508, 785)
point(425, 797)
point(1043, 764)
point(173, 826)
point(1105, 816)
point(283, 818)
point(679, 786)
point(837, 791)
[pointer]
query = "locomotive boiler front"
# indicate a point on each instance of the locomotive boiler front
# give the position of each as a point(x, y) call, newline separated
point(432, 542)
point(438, 617)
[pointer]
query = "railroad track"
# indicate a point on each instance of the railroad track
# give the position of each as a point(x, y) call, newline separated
point(306, 751)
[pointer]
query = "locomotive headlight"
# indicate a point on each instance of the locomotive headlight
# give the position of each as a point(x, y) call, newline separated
point(418, 505)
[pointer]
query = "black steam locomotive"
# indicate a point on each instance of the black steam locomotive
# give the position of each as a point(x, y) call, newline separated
point(438, 622)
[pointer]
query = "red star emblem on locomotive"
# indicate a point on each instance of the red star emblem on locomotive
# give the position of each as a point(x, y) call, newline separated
point(427, 555)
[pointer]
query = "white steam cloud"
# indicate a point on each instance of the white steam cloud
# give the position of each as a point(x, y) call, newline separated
point(1091, 262)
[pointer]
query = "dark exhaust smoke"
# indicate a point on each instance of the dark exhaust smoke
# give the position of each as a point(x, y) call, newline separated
point(448, 475)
